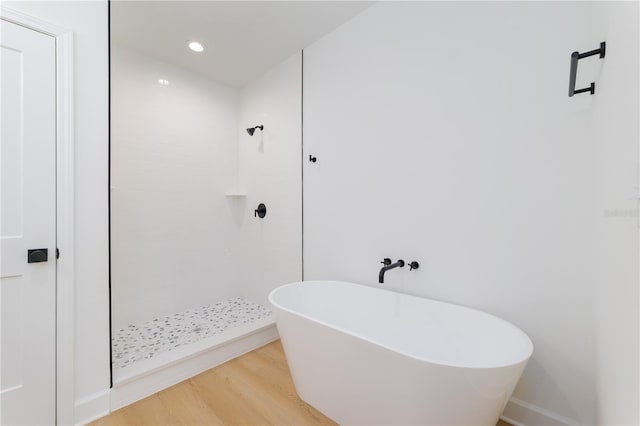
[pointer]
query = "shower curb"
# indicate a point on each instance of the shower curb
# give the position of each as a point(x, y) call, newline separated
point(143, 385)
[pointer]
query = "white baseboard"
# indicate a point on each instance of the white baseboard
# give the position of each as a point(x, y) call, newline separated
point(521, 413)
point(91, 407)
point(141, 386)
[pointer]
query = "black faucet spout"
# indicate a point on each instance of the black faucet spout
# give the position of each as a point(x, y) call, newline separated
point(398, 264)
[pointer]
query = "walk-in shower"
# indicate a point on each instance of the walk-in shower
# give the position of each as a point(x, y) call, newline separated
point(188, 255)
point(191, 267)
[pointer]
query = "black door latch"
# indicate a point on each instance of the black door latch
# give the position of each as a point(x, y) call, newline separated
point(37, 255)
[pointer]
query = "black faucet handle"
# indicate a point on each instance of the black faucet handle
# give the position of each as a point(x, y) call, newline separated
point(261, 211)
point(413, 265)
point(386, 261)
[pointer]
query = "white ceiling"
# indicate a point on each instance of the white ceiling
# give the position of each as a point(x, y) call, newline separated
point(243, 39)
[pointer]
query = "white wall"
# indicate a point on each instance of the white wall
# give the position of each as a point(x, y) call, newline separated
point(270, 170)
point(173, 151)
point(616, 135)
point(88, 20)
point(444, 134)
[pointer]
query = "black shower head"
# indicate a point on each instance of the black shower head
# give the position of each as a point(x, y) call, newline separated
point(251, 130)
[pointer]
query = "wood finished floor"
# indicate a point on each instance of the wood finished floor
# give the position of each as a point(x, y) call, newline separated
point(254, 389)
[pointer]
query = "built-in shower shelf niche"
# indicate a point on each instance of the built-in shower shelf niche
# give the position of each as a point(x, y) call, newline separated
point(236, 193)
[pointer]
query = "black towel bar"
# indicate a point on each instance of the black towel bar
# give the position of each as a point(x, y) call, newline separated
point(575, 57)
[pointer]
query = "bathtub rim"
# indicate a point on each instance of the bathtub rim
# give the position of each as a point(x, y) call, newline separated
point(395, 350)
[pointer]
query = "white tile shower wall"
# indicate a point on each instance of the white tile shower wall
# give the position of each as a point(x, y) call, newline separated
point(269, 168)
point(444, 134)
point(617, 134)
point(88, 21)
point(173, 157)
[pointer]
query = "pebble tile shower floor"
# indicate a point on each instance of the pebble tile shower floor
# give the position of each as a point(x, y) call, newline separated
point(145, 340)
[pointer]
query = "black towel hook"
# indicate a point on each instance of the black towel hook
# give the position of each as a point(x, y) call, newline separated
point(575, 57)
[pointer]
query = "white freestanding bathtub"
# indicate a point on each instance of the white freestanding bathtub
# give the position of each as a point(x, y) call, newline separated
point(363, 355)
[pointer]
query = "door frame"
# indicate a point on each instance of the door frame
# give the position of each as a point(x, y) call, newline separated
point(65, 209)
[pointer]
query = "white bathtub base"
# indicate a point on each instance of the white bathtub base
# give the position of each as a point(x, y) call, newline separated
point(131, 389)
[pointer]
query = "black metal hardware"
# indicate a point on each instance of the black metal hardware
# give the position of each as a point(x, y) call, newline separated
point(385, 268)
point(57, 253)
point(312, 159)
point(251, 130)
point(261, 211)
point(575, 57)
point(386, 261)
point(413, 265)
point(37, 255)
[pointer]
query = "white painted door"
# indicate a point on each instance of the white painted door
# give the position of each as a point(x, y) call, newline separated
point(27, 221)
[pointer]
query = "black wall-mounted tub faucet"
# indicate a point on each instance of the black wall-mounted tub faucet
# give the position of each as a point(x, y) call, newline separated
point(387, 266)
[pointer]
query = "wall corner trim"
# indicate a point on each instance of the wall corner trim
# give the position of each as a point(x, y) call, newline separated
point(521, 413)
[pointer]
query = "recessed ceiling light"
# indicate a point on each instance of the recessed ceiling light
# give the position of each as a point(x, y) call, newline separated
point(163, 82)
point(196, 47)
